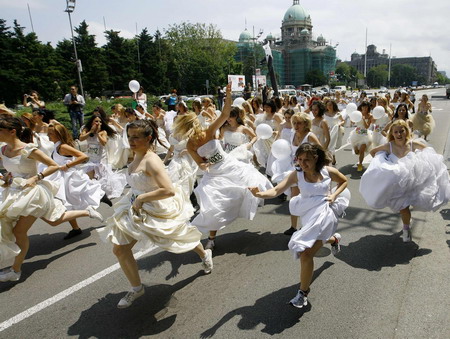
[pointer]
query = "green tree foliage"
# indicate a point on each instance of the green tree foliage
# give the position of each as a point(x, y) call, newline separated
point(377, 76)
point(404, 75)
point(25, 64)
point(199, 53)
point(154, 55)
point(347, 74)
point(316, 78)
point(120, 60)
point(184, 57)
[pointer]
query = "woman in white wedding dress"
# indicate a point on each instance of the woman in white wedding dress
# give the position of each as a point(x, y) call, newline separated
point(27, 195)
point(222, 192)
point(405, 173)
point(155, 211)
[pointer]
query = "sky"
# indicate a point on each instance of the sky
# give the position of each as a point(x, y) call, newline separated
point(412, 28)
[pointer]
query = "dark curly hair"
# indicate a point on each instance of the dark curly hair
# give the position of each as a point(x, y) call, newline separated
point(323, 157)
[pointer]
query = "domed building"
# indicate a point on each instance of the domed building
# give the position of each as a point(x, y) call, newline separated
point(296, 52)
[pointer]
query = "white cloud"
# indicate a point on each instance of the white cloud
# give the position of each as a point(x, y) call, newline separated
point(98, 29)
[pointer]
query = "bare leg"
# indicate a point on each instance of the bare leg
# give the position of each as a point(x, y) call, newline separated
point(362, 151)
point(128, 263)
point(307, 265)
point(74, 224)
point(294, 219)
point(68, 216)
point(20, 232)
point(406, 216)
point(200, 251)
point(212, 235)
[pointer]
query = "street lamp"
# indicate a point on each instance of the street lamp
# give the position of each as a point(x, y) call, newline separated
point(255, 39)
point(69, 9)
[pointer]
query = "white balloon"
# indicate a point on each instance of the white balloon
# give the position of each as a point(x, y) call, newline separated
point(378, 112)
point(281, 149)
point(351, 107)
point(238, 101)
point(356, 116)
point(264, 131)
point(134, 86)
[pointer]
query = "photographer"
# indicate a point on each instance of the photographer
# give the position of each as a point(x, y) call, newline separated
point(33, 100)
point(75, 103)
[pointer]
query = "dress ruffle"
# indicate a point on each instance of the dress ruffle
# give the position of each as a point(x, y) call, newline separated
point(420, 179)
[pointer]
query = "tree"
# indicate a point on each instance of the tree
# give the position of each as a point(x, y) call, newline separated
point(120, 60)
point(153, 51)
point(316, 78)
point(403, 75)
point(26, 64)
point(377, 76)
point(199, 53)
point(347, 74)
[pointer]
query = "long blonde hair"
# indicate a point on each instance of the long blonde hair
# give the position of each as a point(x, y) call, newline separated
point(402, 123)
point(187, 126)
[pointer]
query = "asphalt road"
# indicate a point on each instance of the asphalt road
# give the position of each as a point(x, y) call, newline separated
point(377, 287)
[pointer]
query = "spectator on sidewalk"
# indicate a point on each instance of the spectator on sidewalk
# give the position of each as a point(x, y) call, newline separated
point(75, 103)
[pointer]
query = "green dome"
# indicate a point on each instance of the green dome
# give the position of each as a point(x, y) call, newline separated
point(245, 36)
point(270, 37)
point(296, 13)
point(304, 31)
point(320, 38)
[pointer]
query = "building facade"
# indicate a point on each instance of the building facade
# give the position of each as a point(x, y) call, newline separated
point(424, 66)
point(296, 52)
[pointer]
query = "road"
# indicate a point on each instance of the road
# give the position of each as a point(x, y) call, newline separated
point(377, 287)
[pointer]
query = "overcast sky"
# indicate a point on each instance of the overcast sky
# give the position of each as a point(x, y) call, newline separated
point(414, 28)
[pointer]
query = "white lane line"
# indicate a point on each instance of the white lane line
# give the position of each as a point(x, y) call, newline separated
point(50, 301)
point(343, 146)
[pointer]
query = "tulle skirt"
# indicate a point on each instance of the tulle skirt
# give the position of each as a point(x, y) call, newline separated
point(223, 194)
point(420, 179)
point(424, 123)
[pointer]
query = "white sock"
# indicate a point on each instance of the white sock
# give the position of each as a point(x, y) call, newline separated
point(137, 288)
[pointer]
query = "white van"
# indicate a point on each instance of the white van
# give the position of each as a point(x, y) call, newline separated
point(340, 88)
point(287, 92)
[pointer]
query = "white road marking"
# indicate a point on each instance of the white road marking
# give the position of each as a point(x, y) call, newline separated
point(50, 301)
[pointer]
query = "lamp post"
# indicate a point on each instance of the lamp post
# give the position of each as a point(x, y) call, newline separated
point(70, 8)
point(255, 39)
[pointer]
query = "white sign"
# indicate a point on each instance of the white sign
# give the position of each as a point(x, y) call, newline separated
point(260, 80)
point(237, 82)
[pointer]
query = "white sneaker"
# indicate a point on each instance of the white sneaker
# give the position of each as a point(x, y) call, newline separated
point(131, 296)
point(94, 214)
point(207, 262)
point(336, 247)
point(210, 244)
point(406, 235)
point(9, 275)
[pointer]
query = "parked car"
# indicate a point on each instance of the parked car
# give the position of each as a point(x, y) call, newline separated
point(447, 90)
